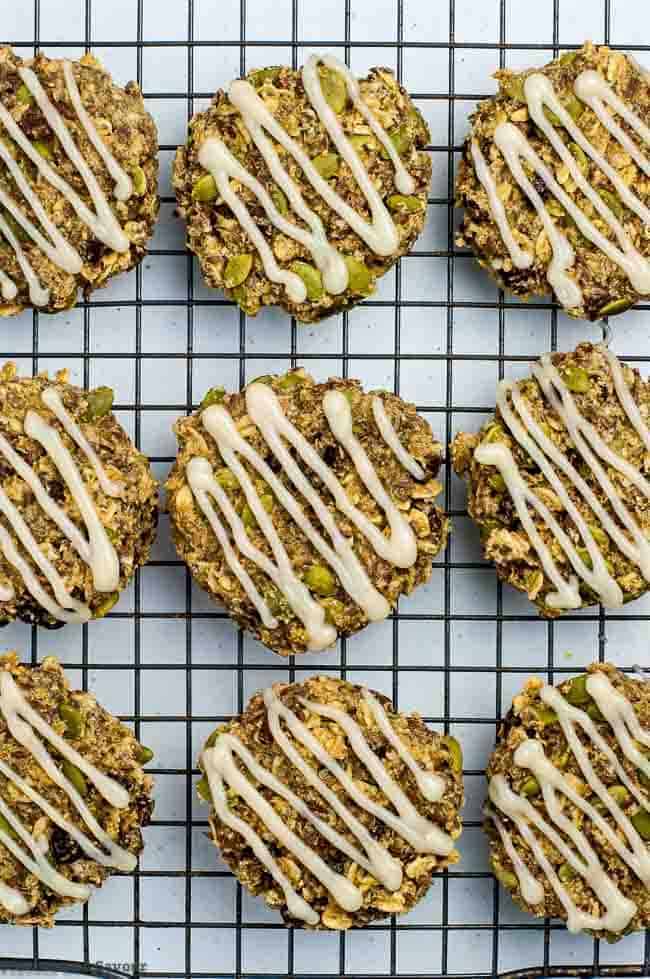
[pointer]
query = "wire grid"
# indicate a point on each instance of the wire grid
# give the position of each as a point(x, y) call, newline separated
point(438, 333)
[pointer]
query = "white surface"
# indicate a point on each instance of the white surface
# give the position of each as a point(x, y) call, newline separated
point(162, 696)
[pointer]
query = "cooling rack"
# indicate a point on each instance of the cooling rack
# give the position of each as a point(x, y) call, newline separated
point(438, 333)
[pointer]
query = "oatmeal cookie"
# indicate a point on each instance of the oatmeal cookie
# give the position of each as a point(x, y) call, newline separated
point(301, 188)
point(78, 180)
point(568, 817)
point(73, 795)
point(558, 481)
point(554, 182)
point(342, 849)
point(311, 543)
point(78, 502)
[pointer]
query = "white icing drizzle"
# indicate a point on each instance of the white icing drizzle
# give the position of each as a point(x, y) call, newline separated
point(625, 841)
point(594, 91)
point(391, 439)
point(629, 538)
point(265, 410)
point(96, 550)
point(103, 223)
point(531, 889)
point(221, 770)
point(380, 234)
point(8, 287)
point(23, 723)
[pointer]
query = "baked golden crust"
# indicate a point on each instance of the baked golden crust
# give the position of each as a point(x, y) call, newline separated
point(301, 398)
point(103, 741)
point(430, 751)
point(130, 134)
point(130, 520)
point(605, 287)
point(531, 718)
point(214, 234)
point(503, 538)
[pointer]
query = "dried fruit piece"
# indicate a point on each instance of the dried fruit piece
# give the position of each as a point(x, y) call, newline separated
point(237, 271)
point(312, 279)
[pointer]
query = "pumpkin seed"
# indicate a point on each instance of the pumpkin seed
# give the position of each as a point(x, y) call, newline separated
point(513, 87)
point(312, 279)
point(258, 78)
point(613, 202)
point(585, 557)
point(360, 278)
point(399, 202)
point(580, 156)
point(205, 189)
point(203, 789)
point(139, 178)
point(574, 107)
point(212, 740)
point(238, 268)
point(144, 755)
point(599, 536)
point(104, 607)
point(576, 379)
point(291, 380)
point(594, 712)
point(320, 579)
point(334, 610)
point(7, 828)
point(43, 149)
point(363, 141)
point(615, 307)
point(619, 794)
point(23, 95)
point(401, 140)
point(530, 787)
point(334, 89)
point(455, 752)
point(498, 483)
point(327, 164)
point(100, 402)
point(506, 877)
point(226, 479)
point(577, 692)
point(73, 720)
point(568, 57)
point(545, 716)
point(280, 201)
point(268, 501)
point(213, 396)
point(551, 116)
point(248, 517)
point(566, 873)
point(74, 776)
point(493, 433)
point(641, 822)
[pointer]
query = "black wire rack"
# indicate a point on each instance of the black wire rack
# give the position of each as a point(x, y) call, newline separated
point(203, 924)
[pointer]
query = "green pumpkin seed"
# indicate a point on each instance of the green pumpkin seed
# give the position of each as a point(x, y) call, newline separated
point(576, 379)
point(568, 57)
point(615, 307)
point(203, 789)
point(545, 716)
point(594, 712)
point(641, 823)
point(334, 89)
point(401, 140)
point(23, 95)
point(73, 720)
point(498, 483)
point(100, 402)
point(226, 479)
point(530, 787)
point(574, 107)
point(43, 149)
point(580, 156)
point(554, 208)
point(613, 202)
point(291, 380)
point(268, 501)
point(362, 142)
point(577, 692)
point(312, 279)
point(248, 517)
point(599, 536)
point(74, 776)
point(327, 164)
point(506, 877)
point(552, 117)
point(205, 189)
point(455, 752)
point(494, 433)
point(585, 557)
point(139, 178)
point(237, 271)
point(320, 579)
point(144, 755)
point(619, 794)
point(513, 87)
point(334, 611)
point(566, 873)
point(360, 278)
point(213, 396)
point(280, 201)
point(7, 828)
point(263, 75)
point(104, 607)
point(400, 202)
point(212, 740)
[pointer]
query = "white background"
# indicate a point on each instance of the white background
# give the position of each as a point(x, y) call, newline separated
point(437, 332)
